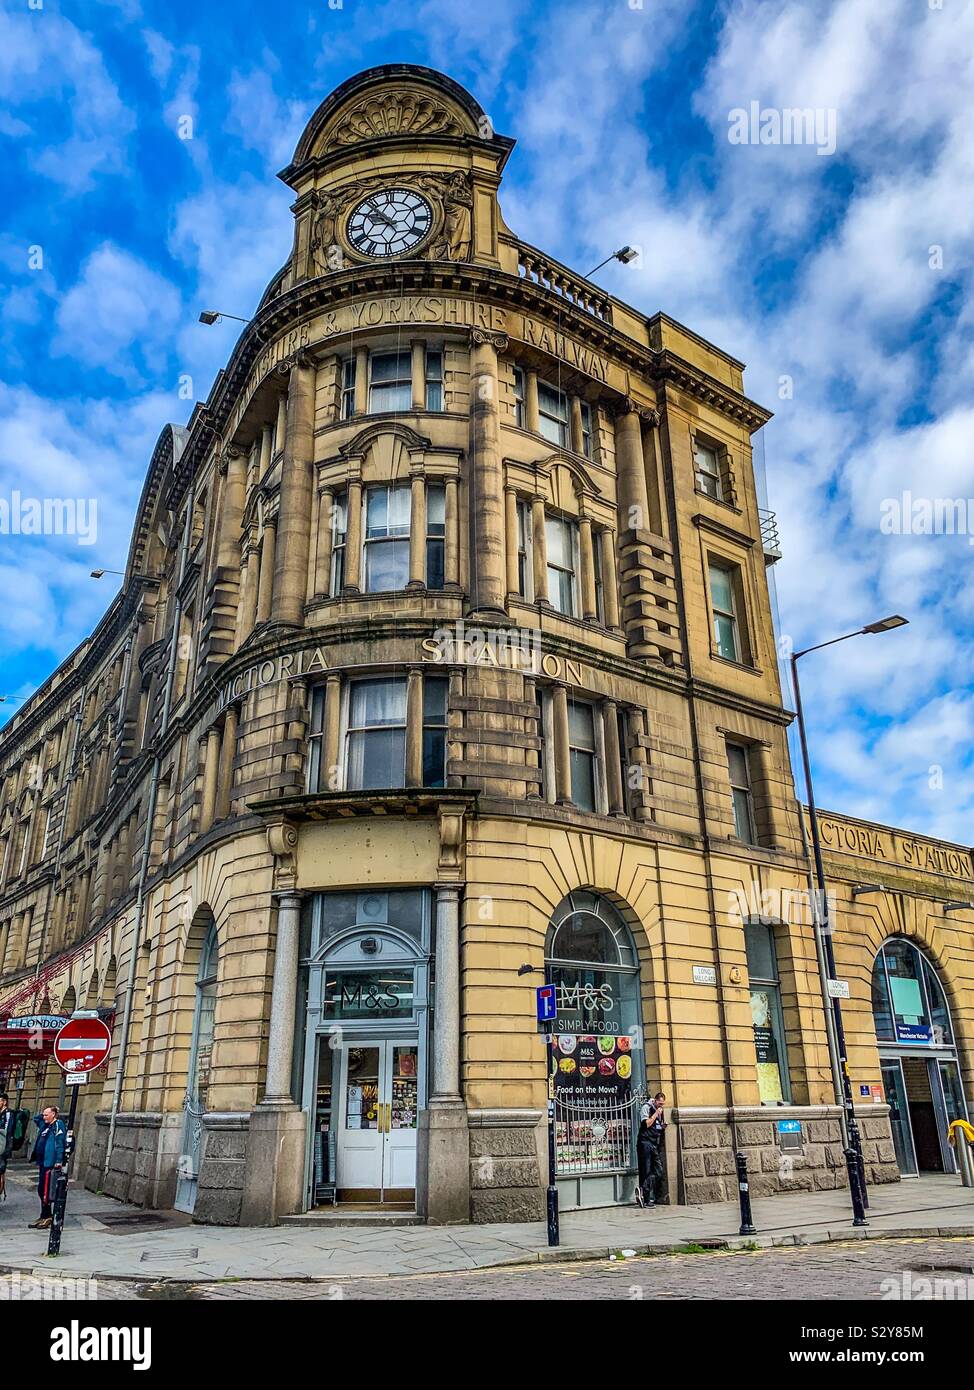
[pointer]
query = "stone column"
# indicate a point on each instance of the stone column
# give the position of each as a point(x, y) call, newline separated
point(361, 381)
point(578, 441)
point(353, 537)
point(610, 580)
point(510, 522)
point(563, 763)
point(265, 581)
point(446, 1024)
point(277, 1133)
point(326, 541)
point(587, 560)
point(766, 777)
point(539, 550)
point(615, 791)
point(247, 608)
point(280, 428)
point(414, 728)
point(417, 534)
point(228, 748)
point(231, 509)
point(314, 543)
point(280, 1046)
point(443, 1188)
point(331, 732)
point(211, 758)
point(631, 469)
point(532, 415)
point(418, 373)
point(451, 535)
point(297, 490)
point(488, 571)
point(266, 443)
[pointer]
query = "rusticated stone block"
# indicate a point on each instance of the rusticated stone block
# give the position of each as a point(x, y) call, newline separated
point(693, 1165)
point(699, 1136)
point(718, 1163)
point(797, 1180)
point(490, 1172)
point(508, 1204)
point(706, 1190)
point(754, 1134)
point(824, 1131)
point(502, 1143)
point(217, 1207)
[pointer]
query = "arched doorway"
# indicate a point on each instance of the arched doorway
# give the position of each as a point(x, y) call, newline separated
point(918, 1055)
point(597, 1058)
point(198, 1076)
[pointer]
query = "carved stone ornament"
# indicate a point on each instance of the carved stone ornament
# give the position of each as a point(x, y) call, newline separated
point(451, 839)
point(282, 841)
point(391, 113)
point(498, 341)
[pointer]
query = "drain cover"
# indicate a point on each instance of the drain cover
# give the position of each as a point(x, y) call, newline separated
point(126, 1218)
point(190, 1253)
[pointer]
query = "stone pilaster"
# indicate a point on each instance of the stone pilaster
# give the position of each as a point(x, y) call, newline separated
point(294, 516)
point(488, 570)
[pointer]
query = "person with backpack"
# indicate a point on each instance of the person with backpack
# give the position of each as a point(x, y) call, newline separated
point(8, 1119)
point(49, 1150)
point(649, 1149)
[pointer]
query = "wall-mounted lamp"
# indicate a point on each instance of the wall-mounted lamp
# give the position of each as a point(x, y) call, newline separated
point(625, 254)
point(859, 888)
point(209, 316)
point(97, 574)
point(525, 969)
point(958, 907)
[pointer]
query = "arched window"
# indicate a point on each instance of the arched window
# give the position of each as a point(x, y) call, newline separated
point(909, 1005)
point(205, 1017)
point(591, 959)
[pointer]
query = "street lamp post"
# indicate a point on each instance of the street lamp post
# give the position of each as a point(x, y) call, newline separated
point(823, 929)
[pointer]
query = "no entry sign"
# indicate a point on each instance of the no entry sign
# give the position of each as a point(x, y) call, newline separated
point(82, 1045)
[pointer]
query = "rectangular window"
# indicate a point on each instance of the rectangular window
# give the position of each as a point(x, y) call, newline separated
point(553, 415)
point(587, 430)
point(387, 538)
point(318, 777)
point(434, 379)
point(519, 414)
point(726, 632)
point(339, 539)
point(769, 1033)
point(390, 382)
point(581, 748)
point(48, 819)
point(525, 564)
point(707, 464)
point(435, 691)
point(561, 537)
point(739, 769)
point(348, 388)
point(435, 535)
point(597, 568)
point(375, 741)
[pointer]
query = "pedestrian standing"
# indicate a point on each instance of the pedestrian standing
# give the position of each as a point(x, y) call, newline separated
point(49, 1148)
point(8, 1118)
point(649, 1149)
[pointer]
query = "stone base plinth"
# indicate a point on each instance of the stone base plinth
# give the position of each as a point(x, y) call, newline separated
point(443, 1164)
point(274, 1178)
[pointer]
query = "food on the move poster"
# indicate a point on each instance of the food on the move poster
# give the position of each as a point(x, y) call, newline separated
point(591, 1068)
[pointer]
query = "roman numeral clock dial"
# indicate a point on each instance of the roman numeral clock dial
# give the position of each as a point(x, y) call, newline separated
point(389, 223)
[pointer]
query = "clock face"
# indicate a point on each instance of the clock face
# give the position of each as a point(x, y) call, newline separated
point(389, 222)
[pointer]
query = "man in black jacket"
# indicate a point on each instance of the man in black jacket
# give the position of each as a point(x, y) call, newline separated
point(8, 1118)
point(649, 1149)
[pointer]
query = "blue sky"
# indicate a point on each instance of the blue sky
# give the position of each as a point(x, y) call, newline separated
point(843, 280)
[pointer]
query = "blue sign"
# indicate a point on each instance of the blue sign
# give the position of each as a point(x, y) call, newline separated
point(547, 1003)
point(864, 1091)
point(789, 1126)
point(914, 1033)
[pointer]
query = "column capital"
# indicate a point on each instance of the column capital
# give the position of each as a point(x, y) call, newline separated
point(482, 337)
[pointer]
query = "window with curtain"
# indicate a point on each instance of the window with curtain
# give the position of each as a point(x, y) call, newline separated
point(390, 382)
point(769, 1032)
point(554, 414)
point(348, 388)
point(582, 755)
point(375, 740)
point(561, 537)
point(435, 535)
point(434, 379)
point(739, 771)
point(338, 522)
point(387, 511)
point(724, 602)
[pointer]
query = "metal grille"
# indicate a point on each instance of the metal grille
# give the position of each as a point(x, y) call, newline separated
point(595, 1135)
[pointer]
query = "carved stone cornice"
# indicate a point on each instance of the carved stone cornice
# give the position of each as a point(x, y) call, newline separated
point(384, 115)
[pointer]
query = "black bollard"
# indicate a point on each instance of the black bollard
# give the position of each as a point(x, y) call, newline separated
point(57, 1212)
point(744, 1189)
point(858, 1211)
point(554, 1235)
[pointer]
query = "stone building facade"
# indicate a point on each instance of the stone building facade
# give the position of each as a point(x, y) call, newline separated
point(443, 665)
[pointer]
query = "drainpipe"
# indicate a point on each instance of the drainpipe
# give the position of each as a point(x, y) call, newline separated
point(147, 841)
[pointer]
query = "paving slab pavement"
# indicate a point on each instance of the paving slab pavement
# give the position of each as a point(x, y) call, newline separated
point(178, 1250)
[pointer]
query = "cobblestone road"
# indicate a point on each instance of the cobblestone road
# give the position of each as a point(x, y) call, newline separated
point(819, 1272)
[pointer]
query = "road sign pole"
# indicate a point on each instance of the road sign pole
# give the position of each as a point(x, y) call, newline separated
point(61, 1190)
point(554, 1226)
